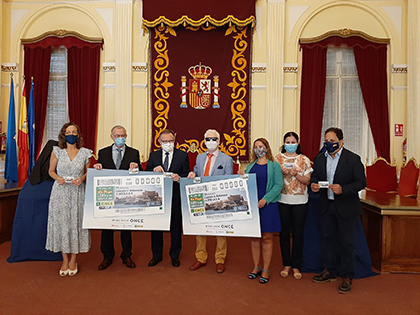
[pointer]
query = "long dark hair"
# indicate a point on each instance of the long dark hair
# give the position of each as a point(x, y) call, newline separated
point(267, 145)
point(294, 135)
point(62, 143)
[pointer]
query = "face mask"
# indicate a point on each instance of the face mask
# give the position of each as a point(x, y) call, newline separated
point(167, 147)
point(211, 145)
point(71, 139)
point(260, 152)
point(290, 147)
point(331, 146)
point(120, 141)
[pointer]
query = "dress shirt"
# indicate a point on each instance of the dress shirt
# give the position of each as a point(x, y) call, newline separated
point(115, 153)
point(170, 156)
point(213, 160)
point(331, 167)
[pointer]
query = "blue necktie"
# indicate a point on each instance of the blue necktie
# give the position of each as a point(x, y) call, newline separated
point(119, 158)
point(166, 162)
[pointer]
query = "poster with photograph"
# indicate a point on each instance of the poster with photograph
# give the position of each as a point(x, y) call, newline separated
point(116, 199)
point(220, 205)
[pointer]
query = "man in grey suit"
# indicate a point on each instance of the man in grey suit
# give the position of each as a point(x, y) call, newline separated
point(211, 163)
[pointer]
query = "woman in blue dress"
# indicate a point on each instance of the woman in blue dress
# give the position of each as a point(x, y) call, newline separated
point(269, 184)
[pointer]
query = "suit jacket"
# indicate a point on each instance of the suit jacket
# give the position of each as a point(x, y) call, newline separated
point(222, 166)
point(350, 175)
point(179, 165)
point(130, 155)
point(40, 171)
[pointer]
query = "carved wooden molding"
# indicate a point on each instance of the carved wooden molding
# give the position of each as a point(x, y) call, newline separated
point(61, 33)
point(399, 68)
point(344, 32)
point(9, 67)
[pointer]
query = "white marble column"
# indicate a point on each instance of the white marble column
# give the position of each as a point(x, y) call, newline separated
point(274, 75)
point(413, 80)
point(123, 60)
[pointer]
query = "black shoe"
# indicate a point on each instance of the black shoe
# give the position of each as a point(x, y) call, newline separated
point(105, 264)
point(324, 276)
point(154, 261)
point(176, 262)
point(345, 286)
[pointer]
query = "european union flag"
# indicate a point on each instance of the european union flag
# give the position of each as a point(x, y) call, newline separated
point(31, 128)
point(11, 169)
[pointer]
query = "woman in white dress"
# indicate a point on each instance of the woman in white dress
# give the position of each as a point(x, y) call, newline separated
point(68, 167)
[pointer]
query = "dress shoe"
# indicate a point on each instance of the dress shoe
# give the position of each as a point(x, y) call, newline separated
point(176, 262)
point(129, 263)
point(324, 276)
point(105, 264)
point(72, 273)
point(220, 268)
point(154, 261)
point(345, 286)
point(197, 265)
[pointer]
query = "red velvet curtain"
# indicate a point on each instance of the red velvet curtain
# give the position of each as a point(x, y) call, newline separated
point(37, 65)
point(83, 83)
point(83, 90)
point(314, 67)
point(371, 66)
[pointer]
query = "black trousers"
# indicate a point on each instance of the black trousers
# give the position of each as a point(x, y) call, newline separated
point(338, 242)
point(292, 219)
point(176, 236)
point(107, 244)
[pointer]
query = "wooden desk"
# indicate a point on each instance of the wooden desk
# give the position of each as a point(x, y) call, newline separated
point(392, 228)
point(8, 201)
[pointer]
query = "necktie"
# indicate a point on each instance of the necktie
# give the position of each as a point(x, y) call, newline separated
point(207, 170)
point(119, 158)
point(166, 162)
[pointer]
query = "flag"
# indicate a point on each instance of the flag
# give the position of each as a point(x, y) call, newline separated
point(31, 128)
point(11, 171)
point(23, 140)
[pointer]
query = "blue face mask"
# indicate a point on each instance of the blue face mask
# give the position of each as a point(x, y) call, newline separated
point(331, 146)
point(71, 139)
point(290, 147)
point(120, 141)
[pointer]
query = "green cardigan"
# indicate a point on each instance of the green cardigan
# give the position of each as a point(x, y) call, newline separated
point(274, 180)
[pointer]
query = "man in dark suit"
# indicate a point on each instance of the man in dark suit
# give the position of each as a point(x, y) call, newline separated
point(117, 156)
point(343, 172)
point(169, 159)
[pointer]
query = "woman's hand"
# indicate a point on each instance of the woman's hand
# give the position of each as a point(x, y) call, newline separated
point(285, 171)
point(77, 181)
point(293, 172)
point(60, 180)
point(261, 203)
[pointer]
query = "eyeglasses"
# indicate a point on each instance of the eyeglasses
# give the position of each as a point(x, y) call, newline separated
point(119, 136)
point(211, 138)
point(167, 141)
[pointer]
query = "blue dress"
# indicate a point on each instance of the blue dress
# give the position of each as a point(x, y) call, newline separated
point(269, 214)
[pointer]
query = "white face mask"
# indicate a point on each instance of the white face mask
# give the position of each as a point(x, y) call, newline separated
point(167, 147)
point(211, 145)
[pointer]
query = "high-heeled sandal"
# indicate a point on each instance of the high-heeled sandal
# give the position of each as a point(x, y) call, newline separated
point(63, 273)
point(285, 272)
point(72, 273)
point(252, 275)
point(296, 274)
point(264, 280)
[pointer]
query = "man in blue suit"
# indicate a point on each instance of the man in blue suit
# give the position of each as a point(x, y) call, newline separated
point(211, 163)
point(339, 205)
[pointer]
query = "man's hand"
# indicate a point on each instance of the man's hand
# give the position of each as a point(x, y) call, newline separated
point(336, 188)
point(315, 187)
point(133, 165)
point(241, 172)
point(191, 175)
point(175, 177)
point(97, 166)
point(159, 169)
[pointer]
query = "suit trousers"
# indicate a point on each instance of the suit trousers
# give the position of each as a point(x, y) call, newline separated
point(221, 249)
point(292, 217)
point(176, 236)
point(107, 244)
point(338, 247)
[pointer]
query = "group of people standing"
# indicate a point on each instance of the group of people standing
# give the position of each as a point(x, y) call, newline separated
point(282, 188)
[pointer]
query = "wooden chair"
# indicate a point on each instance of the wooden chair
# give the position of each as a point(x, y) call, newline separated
point(381, 176)
point(409, 176)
